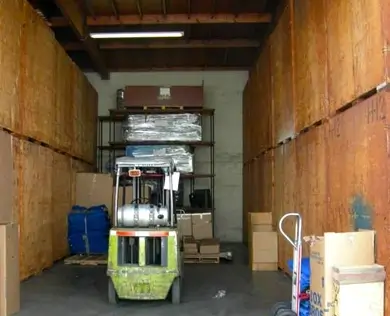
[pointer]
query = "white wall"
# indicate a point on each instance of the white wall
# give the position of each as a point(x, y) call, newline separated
point(223, 92)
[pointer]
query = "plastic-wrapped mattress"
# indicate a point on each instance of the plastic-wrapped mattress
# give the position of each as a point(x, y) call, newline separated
point(167, 127)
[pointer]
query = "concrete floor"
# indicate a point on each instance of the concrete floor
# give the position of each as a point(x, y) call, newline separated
point(80, 290)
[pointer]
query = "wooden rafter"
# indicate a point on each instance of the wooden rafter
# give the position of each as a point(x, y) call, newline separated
point(236, 43)
point(189, 7)
point(114, 8)
point(89, 8)
point(164, 6)
point(139, 8)
point(221, 18)
point(76, 19)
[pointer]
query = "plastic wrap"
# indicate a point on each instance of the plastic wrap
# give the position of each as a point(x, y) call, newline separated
point(162, 127)
point(181, 155)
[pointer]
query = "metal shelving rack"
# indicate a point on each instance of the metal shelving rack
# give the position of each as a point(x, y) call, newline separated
point(116, 149)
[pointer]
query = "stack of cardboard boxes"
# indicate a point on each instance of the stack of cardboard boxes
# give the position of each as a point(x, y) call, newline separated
point(336, 250)
point(198, 226)
point(201, 251)
point(196, 231)
point(262, 242)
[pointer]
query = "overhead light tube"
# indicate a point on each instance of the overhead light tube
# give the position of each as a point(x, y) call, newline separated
point(137, 35)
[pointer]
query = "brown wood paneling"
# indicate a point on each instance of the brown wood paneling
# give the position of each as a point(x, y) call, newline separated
point(310, 62)
point(358, 174)
point(358, 34)
point(10, 53)
point(36, 105)
point(37, 88)
point(262, 102)
point(63, 109)
point(61, 200)
point(277, 210)
point(340, 53)
point(282, 75)
point(336, 176)
point(264, 188)
point(35, 206)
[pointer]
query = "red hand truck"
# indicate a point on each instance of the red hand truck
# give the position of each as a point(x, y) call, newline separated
point(292, 308)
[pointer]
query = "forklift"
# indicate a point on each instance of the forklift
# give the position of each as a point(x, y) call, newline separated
point(144, 259)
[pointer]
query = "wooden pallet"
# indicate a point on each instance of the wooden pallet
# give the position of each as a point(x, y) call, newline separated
point(85, 260)
point(201, 258)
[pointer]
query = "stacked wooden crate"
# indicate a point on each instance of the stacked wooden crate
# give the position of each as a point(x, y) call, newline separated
point(329, 150)
point(48, 113)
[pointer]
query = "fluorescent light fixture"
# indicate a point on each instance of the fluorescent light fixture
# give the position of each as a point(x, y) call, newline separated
point(137, 35)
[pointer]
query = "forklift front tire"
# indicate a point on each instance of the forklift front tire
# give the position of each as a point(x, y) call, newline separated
point(176, 291)
point(112, 295)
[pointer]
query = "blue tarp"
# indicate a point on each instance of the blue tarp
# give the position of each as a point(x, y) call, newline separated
point(305, 283)
point(88, 230)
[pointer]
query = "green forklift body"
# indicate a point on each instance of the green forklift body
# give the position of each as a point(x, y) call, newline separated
point(141, 281)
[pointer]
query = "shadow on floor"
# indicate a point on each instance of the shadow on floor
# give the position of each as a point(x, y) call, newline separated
point(80, 290)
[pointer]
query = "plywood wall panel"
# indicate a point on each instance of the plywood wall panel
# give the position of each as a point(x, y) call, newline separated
point(369, 43)
point(310, 62)
point(265, 183)
point(282, 76)
point(341, 84)
point(61, 204)
point(262, 102)
point(36, 85)
point(34, 164)
point(11, 26)
point(37, 89)
point(63, 106)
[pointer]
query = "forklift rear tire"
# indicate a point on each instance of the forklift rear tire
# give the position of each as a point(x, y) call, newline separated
point(176, 291)
point(112, 295)
point(278, 306)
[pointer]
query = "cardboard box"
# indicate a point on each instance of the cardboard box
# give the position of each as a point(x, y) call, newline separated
point(94, 189)
point(202, 226)
point(264, 247)
point(261, 218)
point(335, 249)
point(209, 246)
point(190, 245)
point(259, 229)
point(359, 290)
point(184, 223)
point(9, 269)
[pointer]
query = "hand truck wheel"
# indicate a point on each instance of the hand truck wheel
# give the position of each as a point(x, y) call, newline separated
point(278, 306)
point(285, 312)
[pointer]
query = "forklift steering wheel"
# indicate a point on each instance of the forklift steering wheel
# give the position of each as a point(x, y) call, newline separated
point(140, 200)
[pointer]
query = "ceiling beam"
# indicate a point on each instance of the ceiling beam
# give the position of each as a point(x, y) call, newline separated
point(76, 19)
point(150, 19)
point(236, 43)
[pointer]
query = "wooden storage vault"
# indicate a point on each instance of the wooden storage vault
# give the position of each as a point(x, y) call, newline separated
point(324, 121)
point(48, 115)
